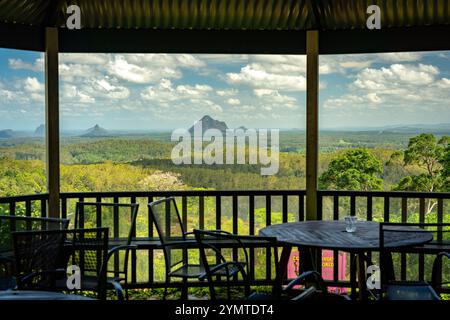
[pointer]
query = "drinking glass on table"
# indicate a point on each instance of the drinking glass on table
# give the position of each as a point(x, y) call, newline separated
point(350, 223)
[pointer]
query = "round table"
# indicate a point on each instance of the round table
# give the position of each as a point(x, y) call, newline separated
point(38, 295)
point(332, 235)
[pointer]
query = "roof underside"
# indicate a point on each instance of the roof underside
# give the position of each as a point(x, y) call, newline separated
point(227, 26)
point(227, 14)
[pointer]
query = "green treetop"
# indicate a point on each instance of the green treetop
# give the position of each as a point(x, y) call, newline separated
point(355, 169)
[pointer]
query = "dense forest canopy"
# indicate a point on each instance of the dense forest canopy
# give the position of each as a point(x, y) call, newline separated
point(362, 160)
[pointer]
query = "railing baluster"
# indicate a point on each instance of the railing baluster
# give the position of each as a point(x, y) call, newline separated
point(369, 208)
point(301, 208)
point(319, 206)
point(201, 207)
point(251, 209)
point(369, 218)
point(335, 252)
point(184, 212)
point(268, 223)
point(403, 255)
point(421, 255)
point(116, 233)
point(353, 206)
point(12, 208)
point(98, 213)
point(251, 205)
point(218, 212)
point(133, 252)
point(285, 208)
point(28, 208)
point(218, 226)
point(80, 223)
point(150, 234)
point(44, 207)
point(268, 210)
point(386, 209)
point(235, 214)
point(64, 208)
point(336, 208)
point(440, 217)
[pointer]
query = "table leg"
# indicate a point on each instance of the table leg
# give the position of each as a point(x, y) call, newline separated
point(308, 259)
point(362, 276)
point(353, 283)
point(284, 261)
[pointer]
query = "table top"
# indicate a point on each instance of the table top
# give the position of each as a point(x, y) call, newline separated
point(332, 235)
point(38, 295)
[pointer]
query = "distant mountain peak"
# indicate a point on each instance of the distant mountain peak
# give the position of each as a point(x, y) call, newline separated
point(40, 131)
point(210, 123)
point(5, 134)
point(96, 131)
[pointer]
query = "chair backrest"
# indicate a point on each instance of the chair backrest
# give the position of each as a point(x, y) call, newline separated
point(9, 224)
point(87, 249)
point(167, 220)
point(392, 236)
point(225, 256)
point(37, 255)
point(119, 218)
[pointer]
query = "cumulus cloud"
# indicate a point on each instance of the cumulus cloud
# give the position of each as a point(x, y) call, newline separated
point(19, 64)
point(257, 75)
point(406, 86)
point(234, 102)
point(32, 84)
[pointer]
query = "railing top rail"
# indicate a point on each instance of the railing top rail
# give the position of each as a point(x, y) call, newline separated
point(390, 194)
point(67, 195)
point(23, 198)
point(179, 193)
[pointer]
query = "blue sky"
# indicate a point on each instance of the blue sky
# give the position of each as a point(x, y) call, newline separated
point(146, 92)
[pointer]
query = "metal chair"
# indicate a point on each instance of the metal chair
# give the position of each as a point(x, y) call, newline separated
point(174, 241)
point(236, 270)
point(120, 219)
point(43, 257)
point(390, 242)
point(9, 224)
point(38, 255)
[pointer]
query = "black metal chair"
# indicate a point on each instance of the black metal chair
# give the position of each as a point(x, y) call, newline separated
point(9, 224)
point(43, 257)
point(38, 256)
point(390, 242)
point(120, 219)
point(175, 243)
point(235, 269)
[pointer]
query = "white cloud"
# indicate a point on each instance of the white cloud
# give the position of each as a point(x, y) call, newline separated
point(227, 92)
point(19, 64)
point(264, 77)
point(233, 101)
point(409, 87)
point(444, 83)
point(32, 84)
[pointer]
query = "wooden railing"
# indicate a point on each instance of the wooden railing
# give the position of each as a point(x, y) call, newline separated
point(239, 212)
point(245, 212)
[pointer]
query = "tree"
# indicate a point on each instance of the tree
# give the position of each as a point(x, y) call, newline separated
point(355, 169)
point(429, 155)
point(446, 166)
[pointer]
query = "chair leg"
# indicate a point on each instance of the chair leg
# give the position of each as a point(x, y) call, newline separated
point(184, 290)
point(127, 297)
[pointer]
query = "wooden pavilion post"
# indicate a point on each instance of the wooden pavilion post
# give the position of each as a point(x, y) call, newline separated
point(52, 120)
point(312, 123)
